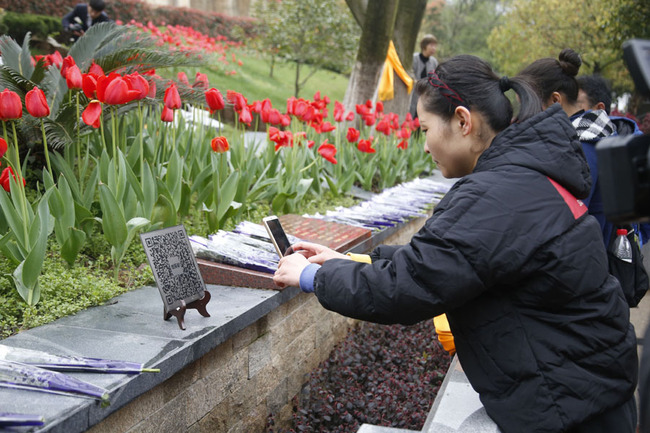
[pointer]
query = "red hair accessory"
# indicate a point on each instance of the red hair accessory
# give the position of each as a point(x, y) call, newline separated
point(445, 90)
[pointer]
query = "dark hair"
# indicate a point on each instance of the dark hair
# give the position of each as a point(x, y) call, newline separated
point(98, 5)
point(426, 40)
point(550, 75)
point(470, 82)
point(597, 90)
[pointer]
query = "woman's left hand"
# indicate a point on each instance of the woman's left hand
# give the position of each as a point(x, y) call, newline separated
point(289, 270)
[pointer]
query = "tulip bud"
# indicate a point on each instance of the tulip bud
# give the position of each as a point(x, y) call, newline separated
point(36, 103)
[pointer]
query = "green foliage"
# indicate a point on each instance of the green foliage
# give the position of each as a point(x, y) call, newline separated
point(319, 33)
point(532, 29)
point(18, 25)
point(462, 26)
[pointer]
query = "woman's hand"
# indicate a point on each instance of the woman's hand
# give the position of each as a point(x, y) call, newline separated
point(289, 270)
point(316, 253)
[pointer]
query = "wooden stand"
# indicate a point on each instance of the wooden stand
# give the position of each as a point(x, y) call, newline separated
point(179, 313)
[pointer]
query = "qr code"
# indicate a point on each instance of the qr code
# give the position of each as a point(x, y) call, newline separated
point(173, 265)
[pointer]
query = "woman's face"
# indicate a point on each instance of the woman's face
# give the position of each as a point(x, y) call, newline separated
point(452, 154)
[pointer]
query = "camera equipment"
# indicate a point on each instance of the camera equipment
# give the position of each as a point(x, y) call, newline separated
point(623, 160)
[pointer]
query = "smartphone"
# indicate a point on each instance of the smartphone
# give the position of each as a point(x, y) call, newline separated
point(277, 235)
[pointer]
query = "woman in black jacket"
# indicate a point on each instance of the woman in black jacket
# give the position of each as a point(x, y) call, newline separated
point(510, 255)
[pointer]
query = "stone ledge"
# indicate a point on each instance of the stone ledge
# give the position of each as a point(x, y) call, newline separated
point(132, 328)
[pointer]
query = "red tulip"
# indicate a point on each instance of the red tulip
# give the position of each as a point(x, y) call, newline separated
point(350, 116)
point(214, 99)
point(167, 114)
point(182, 78)
point(353, 135)
point(55, 59)
point(384, 126)
point(245, 116)
point(237, 99)
point(115, 90)
point(67, 62)
point(4, 178)
point(328, 151)
point(89, 85)
point(92, 114)
point(3, 147)
point(96, 70)
point(172, 98)
point(138, 83)
point(365, 146)
point(327, 127)
point(10, 105)
point(220, 144)
point(36, 103)
point(200, 81)
point(73, 77)
point(404, 144)
point(339, 111)
point(152, 89)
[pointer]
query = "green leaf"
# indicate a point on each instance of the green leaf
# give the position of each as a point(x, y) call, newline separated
point(227, 194)
point(280, 200)
point(31, 267)
point(15, 221)
point(113, 222)
point(164, 212)
point(17, 58)
point(70, 249)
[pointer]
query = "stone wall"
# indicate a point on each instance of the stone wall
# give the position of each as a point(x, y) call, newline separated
point(234, 387)
point(256, 372)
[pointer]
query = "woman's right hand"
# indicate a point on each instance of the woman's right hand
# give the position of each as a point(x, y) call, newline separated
point(316, 253)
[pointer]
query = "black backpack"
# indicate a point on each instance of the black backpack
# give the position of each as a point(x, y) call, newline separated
point(632, 276)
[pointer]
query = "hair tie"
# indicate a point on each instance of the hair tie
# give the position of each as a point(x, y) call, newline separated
point(504, 84)
point(445, 90)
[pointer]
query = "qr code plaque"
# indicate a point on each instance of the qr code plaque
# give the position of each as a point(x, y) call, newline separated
point(174, 266)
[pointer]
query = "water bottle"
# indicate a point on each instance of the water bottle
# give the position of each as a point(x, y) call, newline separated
point(622, 247)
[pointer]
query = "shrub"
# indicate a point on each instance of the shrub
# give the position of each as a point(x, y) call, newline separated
point(17, 25)
point(381, 375)
point(209, 23)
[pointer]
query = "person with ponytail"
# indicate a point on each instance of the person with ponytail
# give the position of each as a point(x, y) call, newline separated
point(509, 254)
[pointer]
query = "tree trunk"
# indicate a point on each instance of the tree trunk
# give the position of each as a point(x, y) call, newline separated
point(377, 31)
point(358, 9)
point(296, 84)
point(405, 37)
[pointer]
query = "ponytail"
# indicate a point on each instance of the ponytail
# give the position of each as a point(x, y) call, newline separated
point(470, 82)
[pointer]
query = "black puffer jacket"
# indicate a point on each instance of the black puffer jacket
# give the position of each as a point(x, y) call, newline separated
point(541, 329)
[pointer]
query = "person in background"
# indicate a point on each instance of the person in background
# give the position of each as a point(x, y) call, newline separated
point(555, 81)
point(541, 328)
point(423, 63)
point(83, 16)
point(594, 93)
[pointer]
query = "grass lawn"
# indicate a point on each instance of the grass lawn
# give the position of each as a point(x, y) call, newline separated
point(253, 79)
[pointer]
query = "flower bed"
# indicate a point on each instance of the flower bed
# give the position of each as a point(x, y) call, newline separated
point(380, 375)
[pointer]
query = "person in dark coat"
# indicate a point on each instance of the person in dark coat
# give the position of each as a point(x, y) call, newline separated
point(510, 255)
point(83, 16)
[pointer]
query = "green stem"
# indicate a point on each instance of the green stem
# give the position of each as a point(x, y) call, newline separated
point(114, 136)
point(47, 151)
point(141, 138)
point(78, 143)
point(21, 187)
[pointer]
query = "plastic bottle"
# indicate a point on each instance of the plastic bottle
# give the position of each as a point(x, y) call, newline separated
point(622, 247)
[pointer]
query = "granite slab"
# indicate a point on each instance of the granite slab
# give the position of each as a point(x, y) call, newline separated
point(131, 328)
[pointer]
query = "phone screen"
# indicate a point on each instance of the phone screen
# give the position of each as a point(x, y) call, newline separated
point(277, 234)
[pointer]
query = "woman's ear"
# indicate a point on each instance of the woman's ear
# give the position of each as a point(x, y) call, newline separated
point(463, 118)
point(555, 97)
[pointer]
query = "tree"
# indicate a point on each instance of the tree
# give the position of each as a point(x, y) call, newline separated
point(533, 29)
point(382, 21)
point(463, 26)
point(317, 34)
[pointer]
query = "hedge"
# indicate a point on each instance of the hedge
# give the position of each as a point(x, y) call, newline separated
point(17, 25)
point(210, 23)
